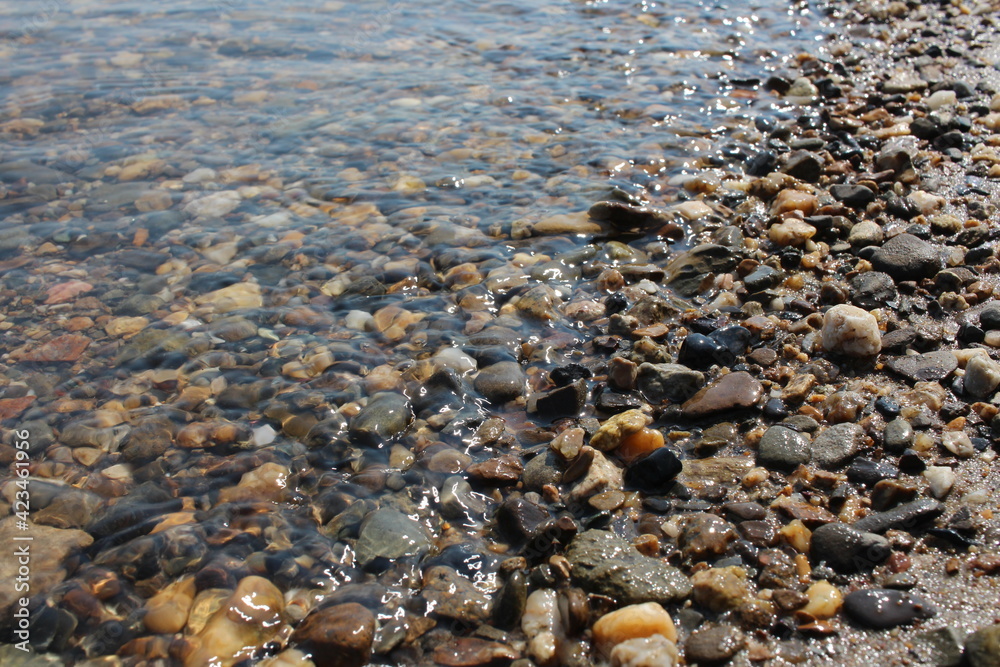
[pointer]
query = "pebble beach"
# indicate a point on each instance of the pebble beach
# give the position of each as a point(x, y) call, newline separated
point(528, 334)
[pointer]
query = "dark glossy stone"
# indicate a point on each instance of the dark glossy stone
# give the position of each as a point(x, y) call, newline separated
point(700, 351)
point(846, 549)
point(736, 339)
point(930, 366)
point(904, 517)
point(561, 402)
point(762, 278)
point(872, 289)
point(654, 473)
point(855, 196)
point(884, 608)
point(868, 472)
point(565, 375)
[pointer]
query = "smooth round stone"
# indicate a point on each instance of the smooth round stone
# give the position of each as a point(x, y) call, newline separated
point(898, 435)
point(388, 534)
point(783, 448)
point(713, 644)
point(865, 233)
point(855, 196)
point(700, 351)
point(762, 278)
point(848, 550)
point(654, 473)
point(989, 316)
point(906, 257)
point(836, 444)
point(851, 331)
point(884, 608)
point(736, 339)
point(501, 382)
point(386, 416)
point(632, 622)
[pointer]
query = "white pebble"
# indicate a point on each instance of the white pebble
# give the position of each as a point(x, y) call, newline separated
point(852, 331)
point(982, 376)
point(543, 626)
point(941, 479)
point(263, 436)
point(941, 98)
point(958, 443)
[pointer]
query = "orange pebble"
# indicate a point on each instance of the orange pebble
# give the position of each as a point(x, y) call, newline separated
point(640, 443)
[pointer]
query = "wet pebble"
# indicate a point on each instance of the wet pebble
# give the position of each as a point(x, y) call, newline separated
point(734, 391)
point(337, 636)
point(851, 331)
point(847, 549)
point(886, 608)
point(783, 448)
point(387, 535)
point(836, 444)
point(501, 382)
point(713, 644)
point(906, 257)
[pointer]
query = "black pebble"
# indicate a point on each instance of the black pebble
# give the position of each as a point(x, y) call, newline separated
point(654, 473)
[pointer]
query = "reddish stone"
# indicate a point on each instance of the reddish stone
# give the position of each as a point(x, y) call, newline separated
point(12, 407)
point(67, 347)
point(338, 636)
point(505, 469)
point(66, 291)
point(735, 391)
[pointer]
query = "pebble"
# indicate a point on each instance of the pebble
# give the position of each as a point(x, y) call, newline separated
point(989, 316)
point(167, 611)
point(926, 367)
point(387, 535)
point(48, 569)
point(825, 601)
point(783, 448)
point(906, 257)
point(885, 608)
point(872, 289)
point(675, 383)
point(851, 331)
point(940, 479)
point(836, 444)
point(855, 196)
point(337, 636)
point(501, 382)
point(713, 644)
point(605, 564)
point(898, 435)
point(654, 651)
point(791, 232)
point(632, 622)
point(982, 376)
point(846, 549)
point(385, 417)
point(904, 516)
point(613, 431)
point(700, 351)
point(720, 589)
point(704, 536)
point(248, 619)
point(733, 391)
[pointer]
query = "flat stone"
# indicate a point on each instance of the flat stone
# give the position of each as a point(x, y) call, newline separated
point(885, 608)
point(564, 401)
point(606, 564)
point(625, 216)
point(930, 366)
point(734, 391)
point(685, 272)
point(855, 196)
point(473, 652)
point(906, 257)
point(872, 289)
point(837, 444)
point(68, 347)
point(904, 517)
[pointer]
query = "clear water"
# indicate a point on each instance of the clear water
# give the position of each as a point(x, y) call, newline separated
point(345, 133)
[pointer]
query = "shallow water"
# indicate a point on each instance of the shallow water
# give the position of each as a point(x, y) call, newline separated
point(340, 159)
